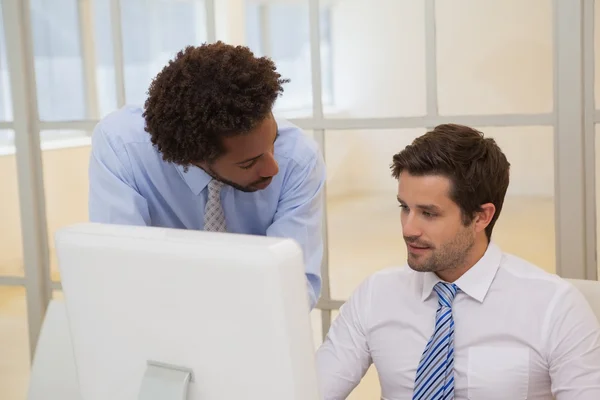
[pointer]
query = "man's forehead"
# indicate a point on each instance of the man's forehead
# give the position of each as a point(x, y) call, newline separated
point(242, 148)
point(426, 189)
point(424, 182)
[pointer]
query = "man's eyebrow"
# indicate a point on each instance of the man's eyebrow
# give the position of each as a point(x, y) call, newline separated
point(258, 156)
point(249, 159)
point(425, 207)
point(428, 207)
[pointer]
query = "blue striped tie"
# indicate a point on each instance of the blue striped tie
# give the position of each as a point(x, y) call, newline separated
point(435, 374)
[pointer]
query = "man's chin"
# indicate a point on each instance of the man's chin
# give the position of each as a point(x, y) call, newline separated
point(414, 267)
point(417, 266)
point(262, 184)
point(255, 187)
point(244, 189)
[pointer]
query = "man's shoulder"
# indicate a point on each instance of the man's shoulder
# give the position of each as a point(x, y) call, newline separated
point(522, 279)
point(393, 276)
point(123, 127)
point(294, 144)
point(520, 268)
point(395, 271)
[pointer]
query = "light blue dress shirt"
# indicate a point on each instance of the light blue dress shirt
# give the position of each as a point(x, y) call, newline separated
point(130, 184)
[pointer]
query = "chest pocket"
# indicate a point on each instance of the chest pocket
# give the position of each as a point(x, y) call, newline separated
point(498, 373)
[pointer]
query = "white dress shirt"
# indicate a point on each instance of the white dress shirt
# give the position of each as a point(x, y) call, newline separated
point(520, 333)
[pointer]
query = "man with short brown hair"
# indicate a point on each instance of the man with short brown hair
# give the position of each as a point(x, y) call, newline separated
point(463, 320)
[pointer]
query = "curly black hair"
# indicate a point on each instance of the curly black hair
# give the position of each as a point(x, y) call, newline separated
point(207, 93)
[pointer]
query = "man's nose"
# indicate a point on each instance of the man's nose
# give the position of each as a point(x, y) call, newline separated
point(410, 227)
point(270, 167)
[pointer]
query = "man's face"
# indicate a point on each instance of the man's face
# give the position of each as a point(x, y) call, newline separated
point(248, 163)
point(432, 224)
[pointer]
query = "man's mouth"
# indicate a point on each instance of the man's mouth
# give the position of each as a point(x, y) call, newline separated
point(417, 247)
point(262, 184)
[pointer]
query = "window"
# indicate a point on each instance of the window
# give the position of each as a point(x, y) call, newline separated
point(282, 32)
point(58, 60)
point(153, 33)
point(74, 52)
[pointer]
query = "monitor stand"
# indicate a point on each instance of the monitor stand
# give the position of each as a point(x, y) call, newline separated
point(165, 382)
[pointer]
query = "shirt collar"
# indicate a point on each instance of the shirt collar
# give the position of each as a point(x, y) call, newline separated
point(476, 281)
point(195, 177)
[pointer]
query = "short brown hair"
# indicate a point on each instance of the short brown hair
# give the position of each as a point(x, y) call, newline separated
point(477, 168)
point(207, 93)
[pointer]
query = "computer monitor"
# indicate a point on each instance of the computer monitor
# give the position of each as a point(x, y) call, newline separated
point(189, 315)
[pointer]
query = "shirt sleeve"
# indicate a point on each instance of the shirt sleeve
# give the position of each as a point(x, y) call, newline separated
point(299, 216)
point(113, 197)
point(574, 348)
point(344, 357)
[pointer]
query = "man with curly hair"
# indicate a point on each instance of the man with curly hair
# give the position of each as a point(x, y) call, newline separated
point(207, 153)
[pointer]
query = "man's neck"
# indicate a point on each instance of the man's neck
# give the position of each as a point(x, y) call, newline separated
point(475, 254)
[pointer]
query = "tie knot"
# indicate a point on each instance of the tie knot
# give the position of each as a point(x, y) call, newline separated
point(446, 293)
point(214, 186)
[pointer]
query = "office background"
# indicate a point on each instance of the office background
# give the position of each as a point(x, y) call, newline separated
point(367, 77)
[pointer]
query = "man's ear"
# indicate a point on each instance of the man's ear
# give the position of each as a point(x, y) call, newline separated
point(484, 217)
